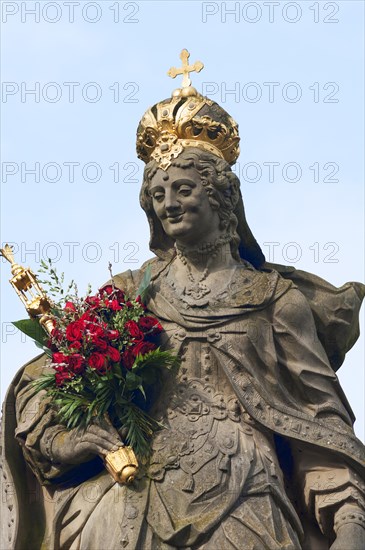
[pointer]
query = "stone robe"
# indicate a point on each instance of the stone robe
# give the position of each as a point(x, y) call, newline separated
point(258, 449)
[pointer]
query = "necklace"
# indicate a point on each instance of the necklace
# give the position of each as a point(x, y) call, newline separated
point(194, 294)
point(205, 249)
point(196, 290)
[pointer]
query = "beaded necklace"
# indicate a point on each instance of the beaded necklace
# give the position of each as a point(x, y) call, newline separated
point(197, 289)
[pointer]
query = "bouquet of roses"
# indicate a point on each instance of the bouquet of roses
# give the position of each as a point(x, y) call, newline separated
point(105, 360)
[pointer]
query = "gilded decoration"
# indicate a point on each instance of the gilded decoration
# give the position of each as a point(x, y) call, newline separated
point(187, 119)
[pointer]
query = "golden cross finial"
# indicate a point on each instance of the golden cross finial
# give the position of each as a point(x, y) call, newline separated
point(185, 69)
point(7, 253)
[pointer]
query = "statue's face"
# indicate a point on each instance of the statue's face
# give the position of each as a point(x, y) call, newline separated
point(182, 206)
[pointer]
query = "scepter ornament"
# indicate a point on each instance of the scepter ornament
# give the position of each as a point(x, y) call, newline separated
point(25, 284)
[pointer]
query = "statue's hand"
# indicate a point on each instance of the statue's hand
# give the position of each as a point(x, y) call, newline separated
point(77, 446)
point(350, 536)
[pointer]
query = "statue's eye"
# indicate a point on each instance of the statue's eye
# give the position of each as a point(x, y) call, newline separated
point(158, 196)
point(185, 190)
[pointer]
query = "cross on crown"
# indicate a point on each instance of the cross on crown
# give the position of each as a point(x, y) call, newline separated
point(186, 69)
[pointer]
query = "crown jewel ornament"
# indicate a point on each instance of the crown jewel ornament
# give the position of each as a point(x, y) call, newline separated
point(187, 119)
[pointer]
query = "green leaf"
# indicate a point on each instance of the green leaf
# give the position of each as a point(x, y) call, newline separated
point(44, 382)
point(141, 389)
point(46, 350)
point(156, 359)
point(145, 283)
point(133, 381)
point(33, 329)
point(140, 427)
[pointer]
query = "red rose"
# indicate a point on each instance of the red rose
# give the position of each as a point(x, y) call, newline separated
point(128, 358)
point(112, 293)
point(59, 357)
point(69, 306)
point(108, 289)
point(62, 374)
point(74, 331)
point(58, 379)
point(120, 296)
point(56, 334)
point(139, 301)
point(99, 343)
point(75, 345)
point(62, 369)
point(88, 317)
point(150, 324)
point(61, 377)
point(95, 330)
point(113, 354)
point(97, 361)
point(113, 334)
point(92, 301)
point(134, 330)
point(113, 304)
point(76, 363)
point(141, 348)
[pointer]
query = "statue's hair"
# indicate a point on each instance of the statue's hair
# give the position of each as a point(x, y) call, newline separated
point(220, 183)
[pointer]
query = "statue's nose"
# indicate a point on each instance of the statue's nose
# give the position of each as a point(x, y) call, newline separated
point(171, 202)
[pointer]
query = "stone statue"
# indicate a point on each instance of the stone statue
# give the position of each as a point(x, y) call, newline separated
point(258, 450)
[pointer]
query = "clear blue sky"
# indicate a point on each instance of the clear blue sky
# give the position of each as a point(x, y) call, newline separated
point(290, 73)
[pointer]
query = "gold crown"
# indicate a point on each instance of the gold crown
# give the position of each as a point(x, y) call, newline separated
point(187, 119)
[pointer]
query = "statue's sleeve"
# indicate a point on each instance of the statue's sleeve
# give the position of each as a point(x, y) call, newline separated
point(37, 425)
point(303, 366)
point(327, 482)
point(327, 485)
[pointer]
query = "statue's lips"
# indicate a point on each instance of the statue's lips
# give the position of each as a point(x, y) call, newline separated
point(175, 219)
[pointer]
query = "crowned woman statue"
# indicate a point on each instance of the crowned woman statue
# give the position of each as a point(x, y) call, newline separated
point(257, 449)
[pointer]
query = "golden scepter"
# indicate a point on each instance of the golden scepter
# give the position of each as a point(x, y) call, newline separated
point(121, 464)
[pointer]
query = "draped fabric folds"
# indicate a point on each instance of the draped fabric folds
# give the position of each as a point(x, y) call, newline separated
point(266, 354)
